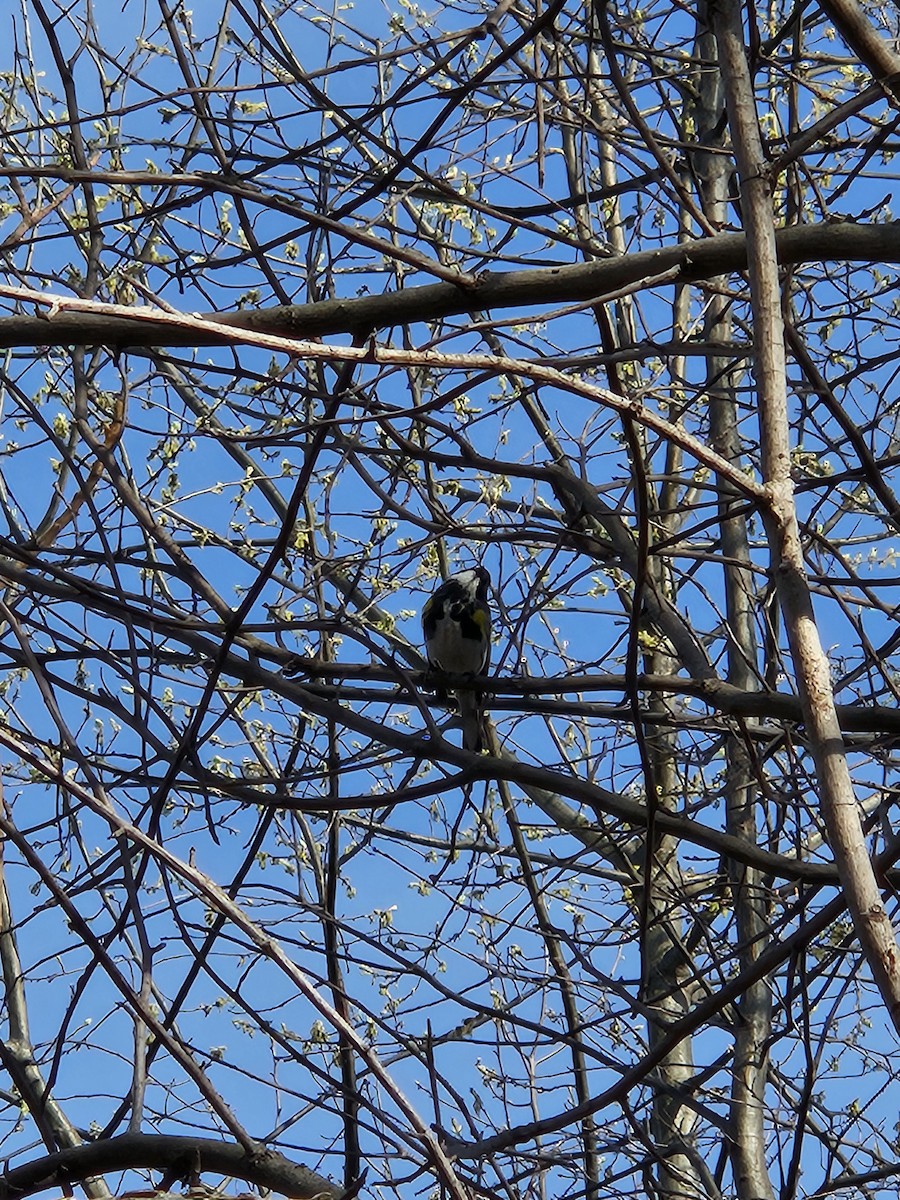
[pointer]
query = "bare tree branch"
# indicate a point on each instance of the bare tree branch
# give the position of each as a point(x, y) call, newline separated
point(177, 1157)
point(873, 925)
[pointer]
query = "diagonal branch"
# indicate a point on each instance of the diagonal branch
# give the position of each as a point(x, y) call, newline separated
point(17, 1052)
point(692, 261)
point(266, 1168)
point(838, 802)
point(857, 31)
point(537, 370)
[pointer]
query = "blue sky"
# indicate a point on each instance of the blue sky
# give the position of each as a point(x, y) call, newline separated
point(437, 933)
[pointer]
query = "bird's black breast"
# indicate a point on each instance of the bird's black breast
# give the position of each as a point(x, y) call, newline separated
point(467, 626)
point(433, 612)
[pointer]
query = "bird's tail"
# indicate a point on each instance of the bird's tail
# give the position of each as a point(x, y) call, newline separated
point(471, 715)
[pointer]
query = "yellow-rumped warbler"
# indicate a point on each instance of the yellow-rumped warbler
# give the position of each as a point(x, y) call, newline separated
point(456, 622)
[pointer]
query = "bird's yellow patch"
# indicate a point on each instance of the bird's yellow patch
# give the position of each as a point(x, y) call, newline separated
point(481, 619)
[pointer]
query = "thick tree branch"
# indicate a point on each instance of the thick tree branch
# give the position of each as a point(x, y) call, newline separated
point(18, 1055)
point(838, 802)
point(857, 31)
point(589, 282)
point(538, 371)
point(189, 1155)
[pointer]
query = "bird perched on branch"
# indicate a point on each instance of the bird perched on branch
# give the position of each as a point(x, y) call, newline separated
point(456, 622)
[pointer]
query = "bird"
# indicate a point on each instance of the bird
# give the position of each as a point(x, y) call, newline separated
point(456, 624)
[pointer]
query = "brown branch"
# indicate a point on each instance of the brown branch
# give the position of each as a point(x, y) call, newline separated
point(835, 786)
point(221, 902)
point(540, 371)
point(133, 1151)
point(252, 673)
point(531, 779)
point(588, 282)
point(82, 927)
point(773, 957)
point(723, 697)
point(857, 31)
point(17, 1052)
